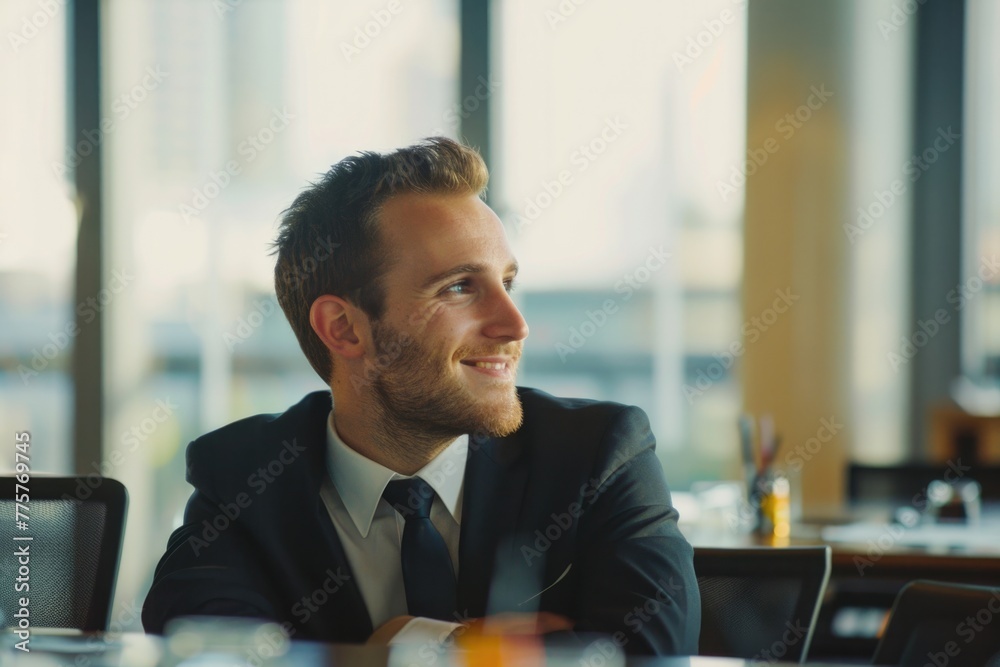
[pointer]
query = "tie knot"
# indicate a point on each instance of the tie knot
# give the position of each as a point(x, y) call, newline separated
point(412, 497)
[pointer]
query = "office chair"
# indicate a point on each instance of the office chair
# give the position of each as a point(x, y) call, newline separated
point(760, 603)
point(936, 623)
point(76, 525)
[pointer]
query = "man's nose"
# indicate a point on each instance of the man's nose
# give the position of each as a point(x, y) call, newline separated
point(505, 320)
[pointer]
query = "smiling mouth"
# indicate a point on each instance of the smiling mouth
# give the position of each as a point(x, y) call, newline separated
point(486, 364)
point(498, 369)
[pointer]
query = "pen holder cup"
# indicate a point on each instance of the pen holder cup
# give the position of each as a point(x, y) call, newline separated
point(772, 498)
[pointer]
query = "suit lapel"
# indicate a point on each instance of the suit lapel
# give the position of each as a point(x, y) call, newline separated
point(495, 477)
point(347, 608)
point(345, 611)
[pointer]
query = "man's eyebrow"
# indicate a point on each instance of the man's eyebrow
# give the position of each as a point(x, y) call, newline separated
point(460, 269)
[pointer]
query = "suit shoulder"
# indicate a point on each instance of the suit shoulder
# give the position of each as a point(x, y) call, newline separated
point(538, 403)
point(243, 436)
point(579, 426)
point(246, 443)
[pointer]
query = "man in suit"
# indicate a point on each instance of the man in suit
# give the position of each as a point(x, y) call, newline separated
point(424, 492)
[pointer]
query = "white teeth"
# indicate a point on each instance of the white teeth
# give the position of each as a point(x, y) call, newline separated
point(486, 364)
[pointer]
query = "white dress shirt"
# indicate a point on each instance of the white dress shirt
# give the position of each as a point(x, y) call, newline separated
point(371, 531)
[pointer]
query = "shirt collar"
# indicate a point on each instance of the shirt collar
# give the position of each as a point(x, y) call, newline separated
point(361, 481)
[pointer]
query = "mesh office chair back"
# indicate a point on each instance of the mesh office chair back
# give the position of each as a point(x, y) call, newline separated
point(942, 624)
point(72, 559)
point(760, 603)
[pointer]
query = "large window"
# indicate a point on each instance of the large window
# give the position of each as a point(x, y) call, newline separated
point(618, 127)
point(37, 236)
point(981, 290)
point(219, 113)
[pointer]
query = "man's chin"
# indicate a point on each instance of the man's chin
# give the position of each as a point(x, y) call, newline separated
point(500, 421)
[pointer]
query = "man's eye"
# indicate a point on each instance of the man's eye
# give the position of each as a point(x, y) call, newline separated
point(461, 287)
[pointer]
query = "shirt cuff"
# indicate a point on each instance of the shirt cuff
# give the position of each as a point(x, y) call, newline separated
point(422, 630)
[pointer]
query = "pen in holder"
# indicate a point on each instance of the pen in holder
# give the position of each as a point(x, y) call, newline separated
point(768, 490)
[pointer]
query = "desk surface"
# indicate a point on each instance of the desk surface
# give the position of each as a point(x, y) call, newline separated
point(864, 548)
point(137, 650)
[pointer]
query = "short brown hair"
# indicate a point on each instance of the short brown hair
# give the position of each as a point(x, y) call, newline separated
point(329, 242)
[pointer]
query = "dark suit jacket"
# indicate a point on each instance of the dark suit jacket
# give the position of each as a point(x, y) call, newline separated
point(578, 486)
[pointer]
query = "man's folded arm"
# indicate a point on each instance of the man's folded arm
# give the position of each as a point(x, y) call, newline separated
point(637, 579)
point(206, 571)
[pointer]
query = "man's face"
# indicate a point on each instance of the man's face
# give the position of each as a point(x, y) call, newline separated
point(450, 339)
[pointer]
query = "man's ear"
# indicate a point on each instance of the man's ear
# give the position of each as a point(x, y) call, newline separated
point(338, 324)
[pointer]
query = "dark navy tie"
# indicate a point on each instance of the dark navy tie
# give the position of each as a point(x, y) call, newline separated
point(428, 575)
